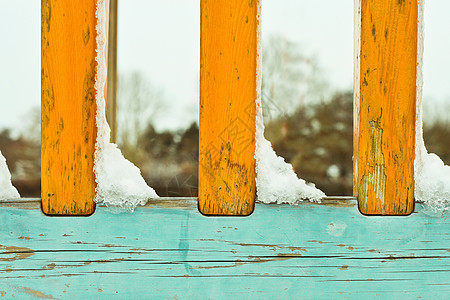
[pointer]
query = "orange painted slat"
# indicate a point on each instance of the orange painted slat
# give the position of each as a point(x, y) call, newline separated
point(385, 126)
point(68, 106)
point(228, 63)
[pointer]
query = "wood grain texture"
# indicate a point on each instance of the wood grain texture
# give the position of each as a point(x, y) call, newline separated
point(167, 250)
point(228, 62)
point(385, 132)
point(68, 106)
point(111, 104)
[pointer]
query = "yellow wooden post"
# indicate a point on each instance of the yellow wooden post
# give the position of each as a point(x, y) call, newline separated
point(68, 106)
point(228, 63)
point(385, 105)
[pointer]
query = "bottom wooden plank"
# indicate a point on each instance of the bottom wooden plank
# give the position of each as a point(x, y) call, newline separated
point(169, 250)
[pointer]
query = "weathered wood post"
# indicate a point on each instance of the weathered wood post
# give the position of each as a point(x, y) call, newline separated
point(111, 104)
point(385, 106)
point(228, 65)
point(68, 106)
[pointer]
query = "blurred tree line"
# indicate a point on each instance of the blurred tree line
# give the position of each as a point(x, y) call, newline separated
point(23, 156)
point(310, 126)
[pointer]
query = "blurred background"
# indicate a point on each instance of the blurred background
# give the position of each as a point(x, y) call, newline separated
point(307, 89)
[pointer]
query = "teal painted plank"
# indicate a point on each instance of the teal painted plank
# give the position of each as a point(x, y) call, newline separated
point(170, 250)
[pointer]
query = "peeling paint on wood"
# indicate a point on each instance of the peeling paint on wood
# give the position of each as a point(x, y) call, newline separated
point(228, 61)
point(386, 107)
point(176, 252)
point(68, 106)
point(34, 293)
point(13, 253)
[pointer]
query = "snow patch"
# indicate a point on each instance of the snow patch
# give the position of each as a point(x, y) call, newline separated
point(119, 182)
point(7, 190)
point(432, 177)
point(276, 181)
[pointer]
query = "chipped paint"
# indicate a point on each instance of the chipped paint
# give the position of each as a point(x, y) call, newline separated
point(34, 293)
point(305, 258)
point(376, 178)
point(17, 253)
point(385, 106)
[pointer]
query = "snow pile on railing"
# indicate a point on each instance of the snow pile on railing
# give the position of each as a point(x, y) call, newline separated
point(119, 182)
point(432, 177)
point(276, 181)
point(7, 190)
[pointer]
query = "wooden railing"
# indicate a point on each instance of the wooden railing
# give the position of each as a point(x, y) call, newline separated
point(385, 97)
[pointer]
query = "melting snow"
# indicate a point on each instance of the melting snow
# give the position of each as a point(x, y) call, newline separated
point(119, 182)
point(276, 181)
point(7, 190)
point(432, 177)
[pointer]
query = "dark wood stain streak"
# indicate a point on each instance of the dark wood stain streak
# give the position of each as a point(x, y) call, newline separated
point(47, 98)
point(253, 260)
point(271, 246)
point(243, 276)
point(46, 17)
point(46, 14)
point(88, 99)
point(86, 35)
point(364, 280)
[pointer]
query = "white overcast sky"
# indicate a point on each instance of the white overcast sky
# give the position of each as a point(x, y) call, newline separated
point(161, 40)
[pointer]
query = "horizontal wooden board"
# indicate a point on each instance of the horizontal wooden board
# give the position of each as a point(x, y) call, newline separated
point(169, 250)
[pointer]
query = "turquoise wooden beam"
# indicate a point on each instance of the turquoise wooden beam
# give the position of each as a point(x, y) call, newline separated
point(169, 250)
